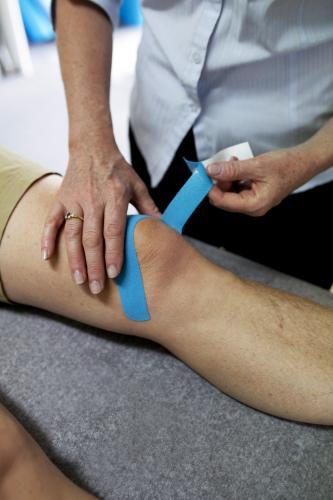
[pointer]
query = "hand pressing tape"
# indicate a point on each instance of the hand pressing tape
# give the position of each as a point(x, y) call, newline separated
point(129, 281)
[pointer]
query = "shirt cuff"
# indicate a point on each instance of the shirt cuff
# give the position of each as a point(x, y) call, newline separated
point(110, 7)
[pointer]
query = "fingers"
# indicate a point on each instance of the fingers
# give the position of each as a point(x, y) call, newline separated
point(114, 233)
point(229, 194)
point(143, 201)
point(244, 201)
point(75, 253)
point(93, 244)
point(226, 185)
point(233, 170)
point(54, 221)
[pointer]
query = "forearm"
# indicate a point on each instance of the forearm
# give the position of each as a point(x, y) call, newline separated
point(309, 158)
point(99, 183)
point(321, 145)
point(316, 154)
point(84, 39)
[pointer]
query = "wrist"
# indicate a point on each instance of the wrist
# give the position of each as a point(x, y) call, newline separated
point(311, 159)
point(319, 150)
point(95, 137)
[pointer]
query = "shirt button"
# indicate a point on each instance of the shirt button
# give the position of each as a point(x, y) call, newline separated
point(196, 57)
point(194, 107)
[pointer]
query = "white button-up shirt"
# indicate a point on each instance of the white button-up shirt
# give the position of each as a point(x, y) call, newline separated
point(234, 70)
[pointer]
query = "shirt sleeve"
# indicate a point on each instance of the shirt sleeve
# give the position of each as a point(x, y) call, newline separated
point(110, 7)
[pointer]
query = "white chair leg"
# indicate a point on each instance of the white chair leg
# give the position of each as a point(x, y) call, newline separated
point(13, 36)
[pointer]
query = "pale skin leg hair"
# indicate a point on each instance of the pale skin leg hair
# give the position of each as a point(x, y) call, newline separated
point(269, 349)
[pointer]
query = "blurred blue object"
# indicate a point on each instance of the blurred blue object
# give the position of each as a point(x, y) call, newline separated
point(36, 19)
point(130, 13)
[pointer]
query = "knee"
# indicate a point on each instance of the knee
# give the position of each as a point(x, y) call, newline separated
point(166, 261)
point(163, 253)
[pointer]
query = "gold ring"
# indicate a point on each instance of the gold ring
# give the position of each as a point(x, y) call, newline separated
point(70, 215)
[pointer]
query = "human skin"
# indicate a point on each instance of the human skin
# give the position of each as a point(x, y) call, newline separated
point(266, 348)
point(274, 353)
point(98, 183)
point(26, 473)
point(98, 179)
point(271, 176)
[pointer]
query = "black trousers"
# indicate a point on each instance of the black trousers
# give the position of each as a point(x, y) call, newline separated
point(293, 237)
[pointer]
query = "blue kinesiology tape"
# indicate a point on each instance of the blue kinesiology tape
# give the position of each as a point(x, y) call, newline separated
point(188, 197)
point(129, 281)
point(179, 210)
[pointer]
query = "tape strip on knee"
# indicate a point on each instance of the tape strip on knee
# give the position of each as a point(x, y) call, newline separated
point(130, 282)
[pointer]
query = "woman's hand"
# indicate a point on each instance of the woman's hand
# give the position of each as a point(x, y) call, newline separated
point(254, 186)
point(98, 186)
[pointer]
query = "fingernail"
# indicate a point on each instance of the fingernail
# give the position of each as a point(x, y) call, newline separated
point(214, 169)
point(44, 254)
point(78, 277)
point(95, 287)
point(112, 271)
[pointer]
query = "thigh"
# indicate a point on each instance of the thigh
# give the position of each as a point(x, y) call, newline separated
point(48, 285)
point(27, 279)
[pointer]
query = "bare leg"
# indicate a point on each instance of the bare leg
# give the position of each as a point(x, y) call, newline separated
point(25, 471)
point(271, 350)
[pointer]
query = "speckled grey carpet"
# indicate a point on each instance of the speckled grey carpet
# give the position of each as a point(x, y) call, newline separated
point(127, 420)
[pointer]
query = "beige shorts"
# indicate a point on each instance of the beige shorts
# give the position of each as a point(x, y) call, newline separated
point(16, 176)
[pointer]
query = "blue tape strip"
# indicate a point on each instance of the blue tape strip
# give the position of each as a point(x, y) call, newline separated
point(179, 210)
point(129, 281)
point(188, 197)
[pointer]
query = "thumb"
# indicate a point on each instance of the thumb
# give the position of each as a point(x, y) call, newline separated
point(234, 170)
